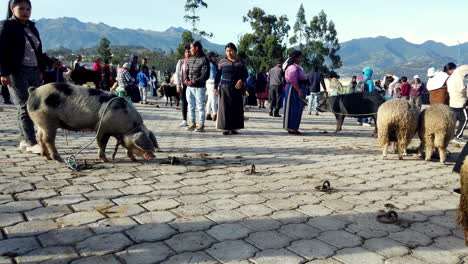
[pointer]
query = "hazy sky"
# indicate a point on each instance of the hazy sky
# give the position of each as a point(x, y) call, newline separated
point(414, 20)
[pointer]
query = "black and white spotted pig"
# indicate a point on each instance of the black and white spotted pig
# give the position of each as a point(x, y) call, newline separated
point(77, 108)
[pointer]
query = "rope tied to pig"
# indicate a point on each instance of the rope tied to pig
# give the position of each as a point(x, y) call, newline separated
point(70, 161)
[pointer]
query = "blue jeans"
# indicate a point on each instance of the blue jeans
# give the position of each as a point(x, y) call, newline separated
point(313, 98)
point(196, 99)
point(20, 82)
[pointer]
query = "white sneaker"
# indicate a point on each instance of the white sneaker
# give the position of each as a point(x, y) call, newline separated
point(23, 145)
point(183, 123)
point(36, 149)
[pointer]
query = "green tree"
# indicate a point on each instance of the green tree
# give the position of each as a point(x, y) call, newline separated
point(187, 38)
point(191, 9)
point(299, 28)
point(104, 49)
point(266, 43)
point(322, 45)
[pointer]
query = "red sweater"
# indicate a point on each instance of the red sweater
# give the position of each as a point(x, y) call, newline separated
point(405, 89)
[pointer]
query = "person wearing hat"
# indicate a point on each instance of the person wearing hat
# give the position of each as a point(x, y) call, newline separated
point(417, 89)
point(124, 79)
point(76, 63)
point(437, 87)
point(212, 102)
point(457, 93)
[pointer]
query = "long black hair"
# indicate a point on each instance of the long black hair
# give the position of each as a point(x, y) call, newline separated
point(292, 58)
point(13, 3)
point(197, 44)
point(449, 66)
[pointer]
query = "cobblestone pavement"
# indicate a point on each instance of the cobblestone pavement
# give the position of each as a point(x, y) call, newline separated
point(207, 210)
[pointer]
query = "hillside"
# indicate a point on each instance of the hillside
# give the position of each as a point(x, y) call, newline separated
point(383, 54)
point(73, 34)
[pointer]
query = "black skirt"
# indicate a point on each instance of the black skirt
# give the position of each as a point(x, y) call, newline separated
point(230, 107)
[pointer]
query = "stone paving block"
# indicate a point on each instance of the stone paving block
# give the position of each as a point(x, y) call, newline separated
point(229, 231)
point(276, 256)
point(223, 216)
point(315, 210)
point(154, 217)
point(52, 255)
point(109, 259)
point(327, 223)
point(161, 205)
point(268, 240)
point(7, 219)
point(386, 247)
point(80, 218)
point(5, 198)
point(312, 249)
point(430, 229)
point(231, 250)
point(110, 185)
point(192, 223)
point(36, 194)
point(30, 228)
point(250, 199)
point(64, 236)
point(5, 260)
point(150, 232)
point(123, 210)
point(131, 199)
point(290, 216)
point(452, 244)
point(192, 210)
point(299, 231)
point(136, 189)
point(325, 261)
point(113, 225)
point(340, 239)
point(261, 223)
point(146, 253)
point(103, 244)
point(411, 238)
point(49, 212)
point(224, 204)
point(404, 260)
point(19, 206)
point(435, 255)
point(190, 241)
point(64, 200)
point(77, 189)
point(358, 255)
point(93, 205)
point(255, 210)
point(282, 204)
point(18, 245)
point(198, 257)
point(103, 194)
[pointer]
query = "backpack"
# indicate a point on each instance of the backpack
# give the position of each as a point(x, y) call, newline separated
point(362, 86)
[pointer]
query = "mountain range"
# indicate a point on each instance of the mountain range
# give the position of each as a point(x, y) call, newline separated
point(383, 54)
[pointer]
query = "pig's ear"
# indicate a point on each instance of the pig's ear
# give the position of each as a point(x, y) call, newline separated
point(141, 141)
point(31, 89)
point(153, 138)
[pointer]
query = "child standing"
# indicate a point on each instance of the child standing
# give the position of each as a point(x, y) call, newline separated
point(143, 83)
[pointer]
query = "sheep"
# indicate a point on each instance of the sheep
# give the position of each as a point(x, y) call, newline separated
point(436, 129)
point(397, 121)
point(462, 218)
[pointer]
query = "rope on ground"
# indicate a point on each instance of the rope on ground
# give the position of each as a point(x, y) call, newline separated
point(70, 161)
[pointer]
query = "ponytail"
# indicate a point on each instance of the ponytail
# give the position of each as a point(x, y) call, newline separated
point(13, 3)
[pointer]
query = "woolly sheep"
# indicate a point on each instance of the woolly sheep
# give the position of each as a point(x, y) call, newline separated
point(436, 129)
point(463, 206)
point(397, 121)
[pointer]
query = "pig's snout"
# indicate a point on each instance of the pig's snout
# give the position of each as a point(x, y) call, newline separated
point(147, 155)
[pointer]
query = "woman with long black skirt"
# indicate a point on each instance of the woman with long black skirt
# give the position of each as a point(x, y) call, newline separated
point(229, 85)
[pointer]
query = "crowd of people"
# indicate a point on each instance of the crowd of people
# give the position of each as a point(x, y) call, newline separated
point(216, 89)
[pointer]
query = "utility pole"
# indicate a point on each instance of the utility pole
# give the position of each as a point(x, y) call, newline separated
point(459, 52)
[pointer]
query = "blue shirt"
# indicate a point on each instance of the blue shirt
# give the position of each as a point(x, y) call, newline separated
point(142, 79)
point(212, 71)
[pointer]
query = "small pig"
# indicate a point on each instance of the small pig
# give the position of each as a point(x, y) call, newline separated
point(60, 105)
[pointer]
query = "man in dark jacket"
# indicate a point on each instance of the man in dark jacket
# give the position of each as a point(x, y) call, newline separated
point(275, 82)
point(197, 73)
point(315, 80)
